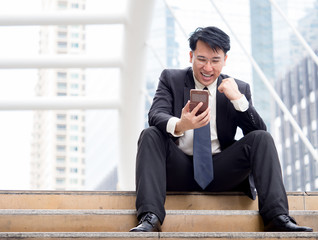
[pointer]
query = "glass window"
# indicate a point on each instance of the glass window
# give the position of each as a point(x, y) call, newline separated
point(74, 127)
point(73, 149)
point(313, 125)
point(74, 45)
point(74, 86)
point(74, 75)
point(61, 116)
point(74, 138)
point(62, 44)
point(74, 117)
point(61, 75)
point(60, 180)
point(61, 85)
point(62, 4)
point(60, 159)
point(62, 34)
point(75, 35)
point(60, 169)
point(73, 170)
point(73, 181)
point(60, 148)
point(61, 137)
point(61, 126)
point(74, 5)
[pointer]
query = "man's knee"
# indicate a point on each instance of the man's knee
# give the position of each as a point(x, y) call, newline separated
point(262, 134)
point(151, 133)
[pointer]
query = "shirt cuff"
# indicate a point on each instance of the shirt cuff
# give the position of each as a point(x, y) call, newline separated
point(171, 126)
point(240, 104)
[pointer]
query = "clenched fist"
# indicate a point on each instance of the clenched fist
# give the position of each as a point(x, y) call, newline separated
point(229, 87)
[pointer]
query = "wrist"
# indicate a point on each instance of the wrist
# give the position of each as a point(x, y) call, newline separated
point(178, 129)
point(237, 96)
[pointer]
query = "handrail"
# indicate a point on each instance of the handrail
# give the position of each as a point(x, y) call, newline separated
point(58, 103)
point(60, 61)
point(60, 18)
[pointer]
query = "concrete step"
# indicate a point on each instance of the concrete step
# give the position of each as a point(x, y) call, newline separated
point(19, 220)
point(155, 236)
point(126, 200)
point(110, 215)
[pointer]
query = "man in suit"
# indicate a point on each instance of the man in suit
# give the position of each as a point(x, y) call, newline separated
point(165, 156)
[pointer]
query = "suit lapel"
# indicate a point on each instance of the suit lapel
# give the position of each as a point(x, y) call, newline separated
point(220, 120)
point(188, 85)
point(218, 96)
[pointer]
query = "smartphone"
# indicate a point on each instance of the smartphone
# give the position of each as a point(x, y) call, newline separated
point(197, 96)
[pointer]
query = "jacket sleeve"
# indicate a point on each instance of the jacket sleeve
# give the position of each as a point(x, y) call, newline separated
point(249, 120)
point(161, 109)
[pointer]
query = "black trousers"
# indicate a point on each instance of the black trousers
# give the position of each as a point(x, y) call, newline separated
point(161, 166)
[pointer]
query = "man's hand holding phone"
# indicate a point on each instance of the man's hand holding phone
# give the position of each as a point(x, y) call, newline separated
point(196, 113)
point(197, 96)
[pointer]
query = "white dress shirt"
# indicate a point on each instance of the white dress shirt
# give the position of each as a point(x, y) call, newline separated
point(185, 142)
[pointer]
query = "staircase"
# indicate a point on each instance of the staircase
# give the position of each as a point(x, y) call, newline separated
point(110, 215)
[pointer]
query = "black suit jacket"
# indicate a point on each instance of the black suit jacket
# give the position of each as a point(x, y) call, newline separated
point(173, 92)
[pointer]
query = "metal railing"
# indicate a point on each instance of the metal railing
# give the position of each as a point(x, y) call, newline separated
point(136, 22)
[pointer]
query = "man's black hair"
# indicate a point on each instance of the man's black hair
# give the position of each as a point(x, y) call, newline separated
point(213, 36)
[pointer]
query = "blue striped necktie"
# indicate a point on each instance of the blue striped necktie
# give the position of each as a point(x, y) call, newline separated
point(202, 156)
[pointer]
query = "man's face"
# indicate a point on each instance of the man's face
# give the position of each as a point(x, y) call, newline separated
point(207, 64)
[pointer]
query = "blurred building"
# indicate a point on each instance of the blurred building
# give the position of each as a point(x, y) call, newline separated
point(299, 91)
point(298, 88)
point(308, 28)
point(262, 52)
point(58, 147)
point(284, 39)
point(163, 50)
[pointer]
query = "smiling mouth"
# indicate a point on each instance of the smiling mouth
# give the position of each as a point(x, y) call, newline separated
point(206, 75)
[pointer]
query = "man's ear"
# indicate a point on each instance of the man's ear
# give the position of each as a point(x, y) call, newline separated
point(191, 57)
point(225, 57)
